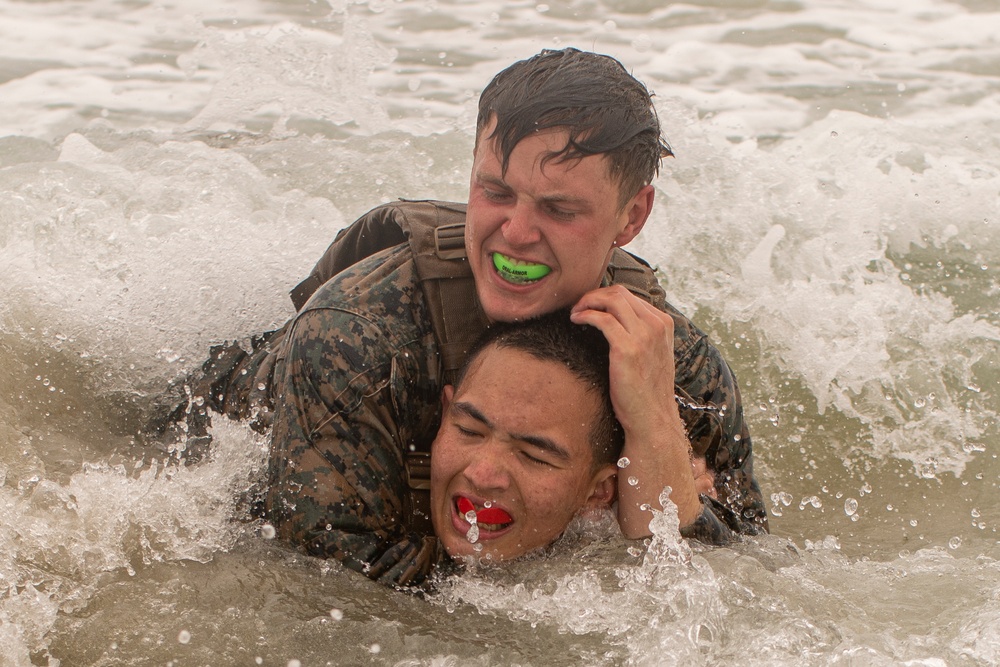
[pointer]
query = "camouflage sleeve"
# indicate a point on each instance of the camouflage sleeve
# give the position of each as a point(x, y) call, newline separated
point(338, 483)
point(711, 407)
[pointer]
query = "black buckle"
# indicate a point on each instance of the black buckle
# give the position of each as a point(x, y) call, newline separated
point(449, 241)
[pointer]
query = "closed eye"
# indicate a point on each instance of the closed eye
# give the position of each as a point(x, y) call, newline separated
point(495, 195)
point(468, 432)
point(560, 213)
point(534, 460)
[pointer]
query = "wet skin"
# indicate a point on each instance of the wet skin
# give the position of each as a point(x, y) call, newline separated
point(564, 215)
point(515, 435)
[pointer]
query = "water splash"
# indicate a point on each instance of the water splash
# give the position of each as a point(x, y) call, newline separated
point(663, 610)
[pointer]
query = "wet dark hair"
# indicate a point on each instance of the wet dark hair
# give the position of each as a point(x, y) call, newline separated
point(581, 348)
point(605, 109)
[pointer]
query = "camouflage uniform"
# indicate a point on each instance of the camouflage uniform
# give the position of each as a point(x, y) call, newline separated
point(358, 382)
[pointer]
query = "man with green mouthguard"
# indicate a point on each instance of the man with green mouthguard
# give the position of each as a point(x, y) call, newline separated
point(567, 145)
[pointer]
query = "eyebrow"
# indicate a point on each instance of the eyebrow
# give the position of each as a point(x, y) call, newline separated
point(539, 441)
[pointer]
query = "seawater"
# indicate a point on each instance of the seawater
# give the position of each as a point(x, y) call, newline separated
point(169, 170)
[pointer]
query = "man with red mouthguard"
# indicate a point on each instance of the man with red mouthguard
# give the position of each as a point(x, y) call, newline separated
point(528, 439)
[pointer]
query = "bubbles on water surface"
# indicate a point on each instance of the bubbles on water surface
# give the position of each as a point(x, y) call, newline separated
point(183, 637)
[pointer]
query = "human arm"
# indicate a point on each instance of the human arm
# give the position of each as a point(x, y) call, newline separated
point(699, 433)
point(642, 392)
point(345, 412)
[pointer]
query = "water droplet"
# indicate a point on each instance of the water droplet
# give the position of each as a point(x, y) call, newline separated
point(623, 462)
point(867, 488)
point(975, 513)
point(850, 506)
point(184, 637)
point(633, 481)
point(470, 516)
point(913, 523)
point(814, 501)
point(473, 534)
point(477, 547)
point(336, 614)
point(488, 504)
point(955, 542)
point(267, 531)
point(294, 663)
point(375, 648)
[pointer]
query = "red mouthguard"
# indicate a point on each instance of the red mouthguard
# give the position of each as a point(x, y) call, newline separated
point(491, 515)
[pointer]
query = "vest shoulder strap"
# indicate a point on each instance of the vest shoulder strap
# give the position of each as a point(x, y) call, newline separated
point(637, 276)
point(436, 232)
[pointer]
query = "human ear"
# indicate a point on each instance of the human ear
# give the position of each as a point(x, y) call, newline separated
point(636, 212)
point(604, 489)
point(446, 396)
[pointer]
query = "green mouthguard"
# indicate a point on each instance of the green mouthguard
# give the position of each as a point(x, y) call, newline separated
point(519, 271)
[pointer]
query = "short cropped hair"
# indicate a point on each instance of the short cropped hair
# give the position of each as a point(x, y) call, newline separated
point(582, 349)
point(604, 108)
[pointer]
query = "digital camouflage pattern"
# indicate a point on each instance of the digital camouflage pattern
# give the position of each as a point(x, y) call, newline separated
point(357, 375)
point(359, 388)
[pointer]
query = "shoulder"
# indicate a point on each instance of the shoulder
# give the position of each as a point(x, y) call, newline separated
point(634, 273)
point(376, 304)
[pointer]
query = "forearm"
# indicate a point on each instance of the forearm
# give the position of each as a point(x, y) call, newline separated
point(711, 407)
point(338, 485)
point(658, 457)
point(334, 502)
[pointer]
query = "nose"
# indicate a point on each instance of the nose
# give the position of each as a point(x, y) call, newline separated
point(520, 229)
point(487, 470)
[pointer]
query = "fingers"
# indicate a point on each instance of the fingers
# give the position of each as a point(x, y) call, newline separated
point(614, 310)
point(704, 479)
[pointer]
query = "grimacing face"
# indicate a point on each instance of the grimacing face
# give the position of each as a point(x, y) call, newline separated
point(514, 445)
point(565, 217)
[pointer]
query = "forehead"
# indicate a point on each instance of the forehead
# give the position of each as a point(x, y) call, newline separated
point(523, 395)
point(536, 147)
